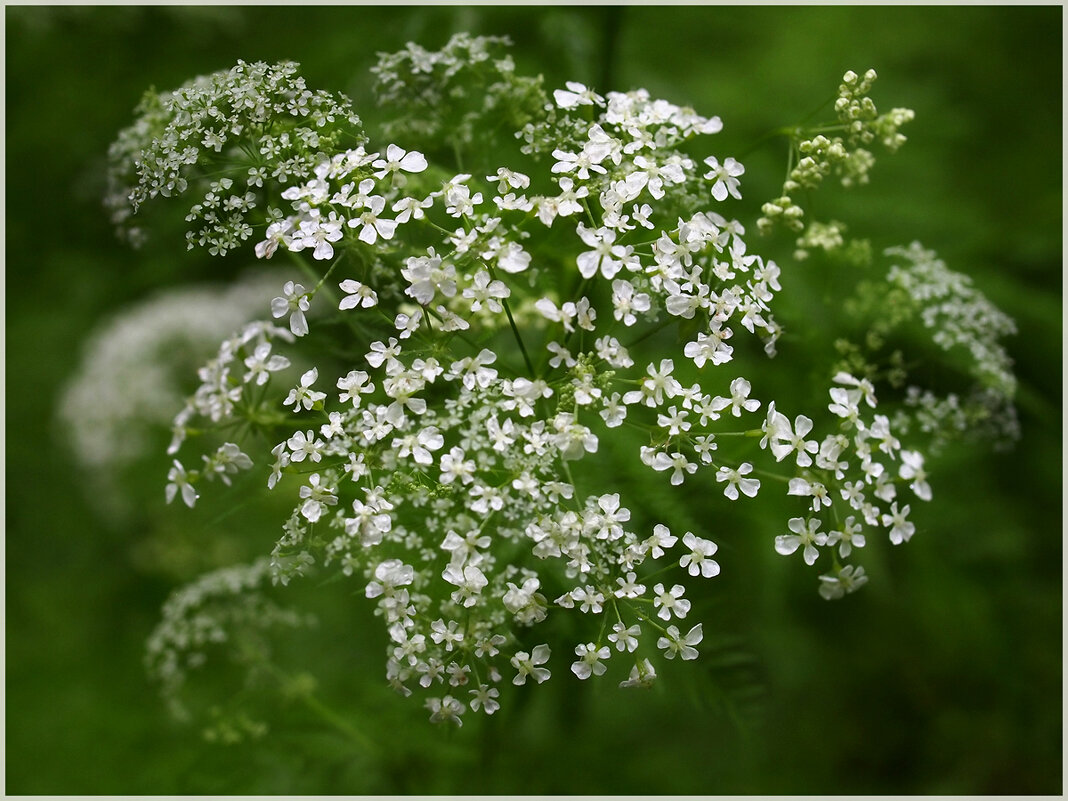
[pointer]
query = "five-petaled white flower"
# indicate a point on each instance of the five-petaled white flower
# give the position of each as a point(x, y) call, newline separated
point(674, 644)
point(677, 463)
point(736, 481)
point(304, 395)
point(912, 471)
point(294, 301)
point(739, 399)
point(589, 660)
point(699, 560)
point(180, 480)
point(528, 665)
point(624, 637)
point(805, 534)
point(849, 579)
point(262, 363)
point(317, 497)
point(901, 530)
point(670, 602)
point(398, 159)
point(606, 257)
point(357, 294)
point(725, 177)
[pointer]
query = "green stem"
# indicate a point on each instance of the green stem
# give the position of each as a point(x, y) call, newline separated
point(334, 719)
point(515, 328)
point(655, 330)
point(320, 285)
point(322, 280)
point(775, 476)
point(790, 131)
point(324, 712)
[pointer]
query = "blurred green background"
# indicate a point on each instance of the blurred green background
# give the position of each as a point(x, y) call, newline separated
point(943, 676)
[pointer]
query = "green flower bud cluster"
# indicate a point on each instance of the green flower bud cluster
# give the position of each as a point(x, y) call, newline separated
point(835, 148)
point(830, 237)
point(853, 106)
point(780, 210)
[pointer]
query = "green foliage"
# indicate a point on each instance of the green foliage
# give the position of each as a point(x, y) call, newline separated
point(943, 677)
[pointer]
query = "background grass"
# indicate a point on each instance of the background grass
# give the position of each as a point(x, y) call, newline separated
point(943, 676)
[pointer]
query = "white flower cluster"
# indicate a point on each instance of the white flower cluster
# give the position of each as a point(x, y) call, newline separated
point(123, 393)
point(243, 360)
point(225, 135)
point(213, 611)
point(961, 320)
point(929, 309)
point(958, 315)
point(458, 97)
point(493, 328)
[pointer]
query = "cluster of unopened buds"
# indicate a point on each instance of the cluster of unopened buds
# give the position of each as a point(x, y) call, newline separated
point(468, 344)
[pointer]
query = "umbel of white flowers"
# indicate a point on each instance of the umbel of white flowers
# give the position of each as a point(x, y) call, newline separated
point(505, 320)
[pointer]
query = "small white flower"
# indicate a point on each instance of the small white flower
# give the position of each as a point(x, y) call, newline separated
point(677, 463)
point(316, 498)
point(805, 534)
point(305, 446)
point(445, 710)
point(357, 295)
point(625, 639)
point(698, 561)
point(261, 364)
point(398, 159)
point(606, 257)
point(486, 291)
point(725, 177)
point(849, 579)
point(225, 462)
point(317, 233)
point(470, 580)
point(660, 540)
point(370, 224)
point(629, 586)
point(294, 302)
point(576, 94)
point(304, 395)
point(787, 441)
point(354, 384)
point(485, 697)
point(912, 470)
point(738, 400)
point(670, 602)
point(901, 530)
point(674, 644)
point(589, 660)
point(736, 481)
point(334, 428)
point(528, 665)
point(512, 258)
point(849, 537)
point(180, 480)
point(641, 675)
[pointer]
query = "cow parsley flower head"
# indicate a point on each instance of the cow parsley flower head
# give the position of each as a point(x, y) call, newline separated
point(178, 136)
point(509, 337)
